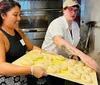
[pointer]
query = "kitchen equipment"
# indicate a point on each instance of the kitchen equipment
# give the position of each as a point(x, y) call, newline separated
point(36, 35)
point(36, 16)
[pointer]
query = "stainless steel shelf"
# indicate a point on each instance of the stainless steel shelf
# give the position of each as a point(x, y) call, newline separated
point(32, 10)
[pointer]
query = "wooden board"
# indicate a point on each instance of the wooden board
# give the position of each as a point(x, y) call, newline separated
point(58, 66)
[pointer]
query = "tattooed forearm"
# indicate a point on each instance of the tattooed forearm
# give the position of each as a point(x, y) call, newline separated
point(64, 48)
point(67, 50)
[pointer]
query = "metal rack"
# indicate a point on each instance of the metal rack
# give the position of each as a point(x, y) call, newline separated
point(37, 4)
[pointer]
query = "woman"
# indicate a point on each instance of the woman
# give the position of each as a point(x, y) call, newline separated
point(63, 35)
point(14, 44)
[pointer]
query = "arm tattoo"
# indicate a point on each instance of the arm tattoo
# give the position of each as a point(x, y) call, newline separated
point(67, 50)
point(64, 48)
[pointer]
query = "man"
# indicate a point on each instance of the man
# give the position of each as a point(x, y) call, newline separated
point(63, 36)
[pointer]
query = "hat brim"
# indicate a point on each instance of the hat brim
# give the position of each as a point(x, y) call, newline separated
point(79, 6)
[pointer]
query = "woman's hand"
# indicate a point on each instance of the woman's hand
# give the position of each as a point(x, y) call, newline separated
point(38, 72)
point(90, 62)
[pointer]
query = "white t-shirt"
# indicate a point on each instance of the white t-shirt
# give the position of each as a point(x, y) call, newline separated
point(59, 26)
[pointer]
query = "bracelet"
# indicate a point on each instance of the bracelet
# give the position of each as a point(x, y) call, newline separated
point(32, 70)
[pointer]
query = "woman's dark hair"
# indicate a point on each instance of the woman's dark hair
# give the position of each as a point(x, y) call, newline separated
point(5, 6)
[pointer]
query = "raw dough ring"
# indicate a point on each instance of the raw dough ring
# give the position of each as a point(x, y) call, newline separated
point(86, 78)
point(74, 74)
point(53, 69)
point(79, 64)
point(87, 69)
point(81, 70)
point(71, 62)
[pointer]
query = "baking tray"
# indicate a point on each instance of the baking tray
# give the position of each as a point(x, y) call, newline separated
point(35, 58)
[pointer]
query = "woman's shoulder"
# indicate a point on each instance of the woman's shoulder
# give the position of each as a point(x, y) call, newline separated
point(20, 31)
point(1, 35)
point(2, 38)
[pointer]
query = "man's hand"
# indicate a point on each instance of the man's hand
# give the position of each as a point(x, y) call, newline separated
point(90, 62)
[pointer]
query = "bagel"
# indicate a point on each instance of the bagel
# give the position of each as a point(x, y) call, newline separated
point(71, 62)
point(64, 66)
point(74, 74)
point(48, 58)
point(51, 69)
point(79, 64)
point(60, 57)
point(71, 68)
point(80, 69)
point(43, 65)
point(26, 63)
point(86, 78)
point(87, 69)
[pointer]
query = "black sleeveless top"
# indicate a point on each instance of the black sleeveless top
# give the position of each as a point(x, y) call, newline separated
point(17, 46)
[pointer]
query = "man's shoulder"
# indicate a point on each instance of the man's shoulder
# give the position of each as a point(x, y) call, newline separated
point(58, 20)
point(74, 22)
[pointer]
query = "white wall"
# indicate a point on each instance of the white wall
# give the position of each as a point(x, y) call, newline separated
point(92, 13)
